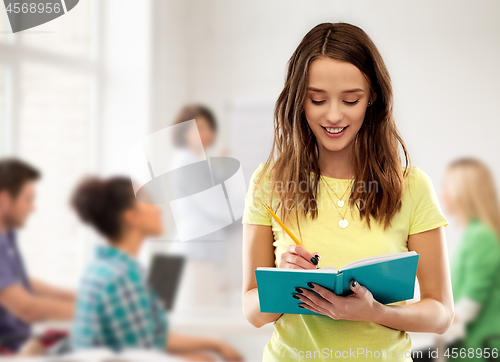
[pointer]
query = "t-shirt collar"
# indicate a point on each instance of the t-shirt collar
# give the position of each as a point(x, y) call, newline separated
point(110, 252)
point(9, 236)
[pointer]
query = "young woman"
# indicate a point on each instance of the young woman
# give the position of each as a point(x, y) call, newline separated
point(115, 307)
point(339, 185)
point(470, 195)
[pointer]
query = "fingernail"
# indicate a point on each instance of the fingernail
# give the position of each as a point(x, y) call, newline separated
point(295, 296)
point(314, 261)
point(311, 285)
point(298, 290)
point(354, 283)
point(301, 306)
point(318, 257)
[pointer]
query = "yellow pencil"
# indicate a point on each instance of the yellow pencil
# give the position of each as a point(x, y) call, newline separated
point(283, 226)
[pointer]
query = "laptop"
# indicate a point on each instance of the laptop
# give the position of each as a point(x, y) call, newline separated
point(164, 276)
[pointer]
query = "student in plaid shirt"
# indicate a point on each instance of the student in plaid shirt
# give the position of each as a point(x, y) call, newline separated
point(115, 307)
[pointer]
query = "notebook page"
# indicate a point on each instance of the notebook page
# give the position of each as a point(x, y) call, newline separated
point(329, 269)
point(376, 259)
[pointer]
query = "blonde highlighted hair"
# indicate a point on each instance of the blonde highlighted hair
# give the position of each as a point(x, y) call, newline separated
point(473, 192)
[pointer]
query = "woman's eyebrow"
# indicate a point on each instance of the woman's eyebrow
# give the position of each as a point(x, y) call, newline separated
point(355, 90)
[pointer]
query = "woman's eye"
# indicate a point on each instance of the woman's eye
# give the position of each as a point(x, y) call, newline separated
point(321, 102)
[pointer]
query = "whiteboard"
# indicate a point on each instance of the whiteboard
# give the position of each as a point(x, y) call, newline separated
point(251, 131)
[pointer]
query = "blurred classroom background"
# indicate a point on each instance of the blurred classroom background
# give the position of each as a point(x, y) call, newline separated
point(77, 93)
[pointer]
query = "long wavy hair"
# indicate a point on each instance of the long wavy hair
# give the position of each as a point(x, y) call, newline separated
point(376, 155)
point(473, 192)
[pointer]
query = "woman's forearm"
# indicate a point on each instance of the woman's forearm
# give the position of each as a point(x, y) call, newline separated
point(251, 310)
point(427, 315)
point(178, 343)
point(47, 290)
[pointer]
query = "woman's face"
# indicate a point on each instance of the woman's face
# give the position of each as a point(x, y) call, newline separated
point(205, 131)
point(148, 218)
point(337, 98)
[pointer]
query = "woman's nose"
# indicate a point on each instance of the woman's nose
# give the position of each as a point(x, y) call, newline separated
point(333, 113)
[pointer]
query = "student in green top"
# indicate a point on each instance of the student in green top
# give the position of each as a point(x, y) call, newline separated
point(470, 195)
point(334, 128)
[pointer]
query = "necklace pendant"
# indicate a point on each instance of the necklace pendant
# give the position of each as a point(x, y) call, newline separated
point(343, 223)
point(340, 203)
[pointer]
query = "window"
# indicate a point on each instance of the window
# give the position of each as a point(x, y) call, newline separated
point(49, 84)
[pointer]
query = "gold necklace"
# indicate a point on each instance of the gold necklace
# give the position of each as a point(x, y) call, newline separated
point(343, 223)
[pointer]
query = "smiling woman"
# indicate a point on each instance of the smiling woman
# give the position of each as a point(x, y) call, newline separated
point(334, 128)
point(330, 110)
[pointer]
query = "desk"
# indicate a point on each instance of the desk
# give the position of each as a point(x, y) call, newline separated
point(227, 324)
point(230, 325)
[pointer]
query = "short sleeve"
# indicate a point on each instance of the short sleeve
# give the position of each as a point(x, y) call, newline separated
point(257, 195)
point(482, 264)
point(7, 277)
point(426, 213)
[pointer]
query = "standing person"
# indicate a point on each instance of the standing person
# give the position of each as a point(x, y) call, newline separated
point(23, 300)
point(188, 151)
point(471, 196)
point(116, 308)
point(204, 278)
point(338, 183)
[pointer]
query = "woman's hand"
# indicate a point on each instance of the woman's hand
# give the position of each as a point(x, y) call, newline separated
point(296, 257)
point(200, 348)
point(228, 353)
point(197, 357)
point(223, 152)
point(358, 306)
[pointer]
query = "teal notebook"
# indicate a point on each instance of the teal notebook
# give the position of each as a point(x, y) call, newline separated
point(390, 278)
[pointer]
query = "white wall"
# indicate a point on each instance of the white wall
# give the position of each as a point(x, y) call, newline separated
point(126, 50)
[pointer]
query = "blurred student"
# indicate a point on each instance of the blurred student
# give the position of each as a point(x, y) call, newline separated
point(115, 307)
point(470, 195)
point(23, 300)
point(204, 277)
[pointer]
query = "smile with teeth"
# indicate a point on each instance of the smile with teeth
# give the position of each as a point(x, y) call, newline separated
point(334, 130)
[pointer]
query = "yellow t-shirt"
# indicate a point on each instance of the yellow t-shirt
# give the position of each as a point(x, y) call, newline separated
point(321, 338)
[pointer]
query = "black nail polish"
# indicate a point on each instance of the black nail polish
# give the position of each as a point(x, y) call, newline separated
point(314, 261)
point(301, 306)
point(298, 290)
point(354, 283)
point(295, 296)
point(311, 285)
point(317, 256)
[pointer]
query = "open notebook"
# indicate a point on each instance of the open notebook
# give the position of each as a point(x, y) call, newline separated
point(390, 278)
